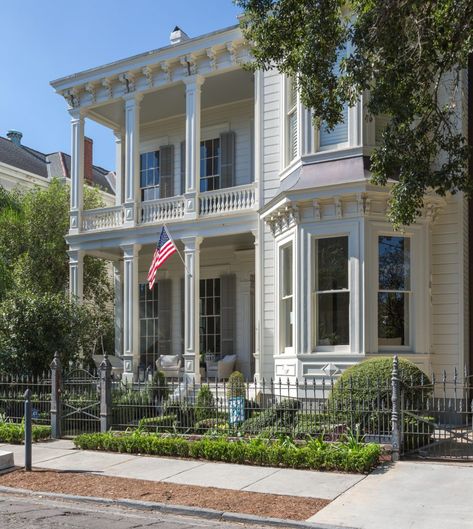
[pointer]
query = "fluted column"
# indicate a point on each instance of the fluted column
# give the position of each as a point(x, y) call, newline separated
point(131, 337)
point(118, 305)
point(192, 306)
point(258, 295)
point(119, 166)
point(132, 157)
point(76, 275)
point(77, 170)
point(193, 110)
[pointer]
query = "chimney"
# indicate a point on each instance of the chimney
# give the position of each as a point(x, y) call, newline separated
point(15, 137)
point(177, 35)
point(88, 156)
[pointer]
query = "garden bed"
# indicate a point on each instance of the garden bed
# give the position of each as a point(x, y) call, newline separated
point(273, 505)
point(14, 433)
point(316, 454)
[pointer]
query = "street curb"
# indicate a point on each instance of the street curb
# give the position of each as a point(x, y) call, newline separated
point(209, 514)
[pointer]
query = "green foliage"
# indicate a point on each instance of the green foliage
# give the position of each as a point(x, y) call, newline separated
point(316, 454)
point(409, 55)
point(279, 418)
point(33, 326)
point(236, 385)
point(184, 413)
point(205, 404)
point(13, 433)
point(370, 381)
point(159, 390)
point(165, 423)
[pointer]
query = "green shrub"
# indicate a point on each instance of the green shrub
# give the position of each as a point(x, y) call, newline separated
point(159, 390)
point(204, 404)
point(369, 382)
point(236, 385)
point(316, 454)
point(211, 426)
point(184, 413)
point(13, 433)
point(277, 419)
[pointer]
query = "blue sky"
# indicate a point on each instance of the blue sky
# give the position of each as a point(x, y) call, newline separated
point(42, 40)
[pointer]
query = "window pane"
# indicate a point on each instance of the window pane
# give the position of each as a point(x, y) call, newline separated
point(394, 263)
point(333, 319)
point(332, 263)
point(339, 134)
point(393, 318)
point(287, 271)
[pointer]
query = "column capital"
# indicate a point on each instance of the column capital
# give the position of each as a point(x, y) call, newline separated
point(77, 114)
point(192, 244)
point(133, 98)
point(75, 256)
point(130, 250)
point(193, 81)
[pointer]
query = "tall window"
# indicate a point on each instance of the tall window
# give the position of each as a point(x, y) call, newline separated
point(286, 297)
point(331, 292)
point(394, 290)
point(210, 165)
point(148, 325)
point(149, 175)
point(337, 136)
point(291, 120)
point(210, 316)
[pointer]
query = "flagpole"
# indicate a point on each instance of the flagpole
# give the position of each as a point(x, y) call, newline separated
point(177, 249)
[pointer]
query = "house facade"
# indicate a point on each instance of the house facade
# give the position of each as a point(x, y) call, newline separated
point(286, 257)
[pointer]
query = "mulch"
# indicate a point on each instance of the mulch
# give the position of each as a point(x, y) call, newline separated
point(81, 484)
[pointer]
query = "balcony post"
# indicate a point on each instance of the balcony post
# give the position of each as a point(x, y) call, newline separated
point(193, 111)
point(192, 307)
point(119, 166)
point(131, 337)
point(77, 170)
point(132, 157)
point(258, 375)
point(76, 275)
point(118, 305)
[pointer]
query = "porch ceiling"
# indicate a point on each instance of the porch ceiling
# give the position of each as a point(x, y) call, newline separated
point(171, 101)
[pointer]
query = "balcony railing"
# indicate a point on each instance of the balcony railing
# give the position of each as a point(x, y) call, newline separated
point(162, 209)
point(228, 200)
point(102, 218)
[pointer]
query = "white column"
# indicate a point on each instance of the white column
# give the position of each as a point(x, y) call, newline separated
point(132, 156)
point(118, 306)
point(76, 275)
point(131, 337)
point(193, 102)
point(192, 306)
point(119, 166)
point(77, 170)
point(258, 296)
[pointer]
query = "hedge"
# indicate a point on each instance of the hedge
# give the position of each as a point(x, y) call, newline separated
point(14, 433)
point(314, 454)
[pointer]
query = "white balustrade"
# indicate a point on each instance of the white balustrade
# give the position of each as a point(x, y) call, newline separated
point(229, 200)
point(102, 218)
point(162, 209)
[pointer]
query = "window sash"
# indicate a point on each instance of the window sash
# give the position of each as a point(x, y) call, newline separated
point(210, 318)
point(149, 175)
point(210, 165)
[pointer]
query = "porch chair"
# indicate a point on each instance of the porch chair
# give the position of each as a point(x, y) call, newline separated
point(225, 367)
point(169, 365)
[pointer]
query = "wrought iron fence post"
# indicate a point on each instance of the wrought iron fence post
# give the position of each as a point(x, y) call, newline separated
point(56, 400)
point(395, 436)
point(28, 430)
point(105, 394)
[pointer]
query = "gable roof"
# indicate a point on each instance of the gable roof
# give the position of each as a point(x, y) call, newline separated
point(47, 166)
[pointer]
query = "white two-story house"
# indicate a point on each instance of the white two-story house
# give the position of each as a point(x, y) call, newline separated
point(290, 262)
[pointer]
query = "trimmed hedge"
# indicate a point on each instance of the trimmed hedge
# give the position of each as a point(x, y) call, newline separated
point(315, 454)
point(14, 433)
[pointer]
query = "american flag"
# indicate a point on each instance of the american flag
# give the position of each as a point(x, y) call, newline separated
point(164, 249)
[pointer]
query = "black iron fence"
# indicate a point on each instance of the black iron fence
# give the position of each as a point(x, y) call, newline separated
point(430, 418)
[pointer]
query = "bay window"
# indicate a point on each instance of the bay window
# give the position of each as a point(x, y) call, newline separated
point(286, 302)
point(394, 290)
point(331, 294)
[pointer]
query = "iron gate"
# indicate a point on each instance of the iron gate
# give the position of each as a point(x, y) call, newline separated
point(80, 402)
point(440, 424)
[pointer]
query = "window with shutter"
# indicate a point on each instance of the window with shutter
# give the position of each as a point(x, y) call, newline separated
point(292, 140)
point(228, 313)
point(149, 175)
point(210, 335)
point(166, 169)
point(210, 165)
point(183, 167)
point(227, 156)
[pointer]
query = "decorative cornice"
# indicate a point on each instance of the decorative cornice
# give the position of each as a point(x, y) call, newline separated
point(283, 218)
point(147, 71)
point(92, 90)
point(212, 55)
point(107, 84)
point(128, 81)
point(189, 62)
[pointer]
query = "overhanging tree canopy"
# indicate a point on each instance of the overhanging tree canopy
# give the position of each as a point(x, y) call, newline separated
point(409, 55)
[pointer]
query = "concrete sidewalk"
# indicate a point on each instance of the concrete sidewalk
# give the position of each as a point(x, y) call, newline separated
point(61, 455)
point(409, 494)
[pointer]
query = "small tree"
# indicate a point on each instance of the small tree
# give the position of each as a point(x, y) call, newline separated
point(205, 404)
point(236, 385)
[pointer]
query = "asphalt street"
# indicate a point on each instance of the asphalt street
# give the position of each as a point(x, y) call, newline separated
point(21, 512)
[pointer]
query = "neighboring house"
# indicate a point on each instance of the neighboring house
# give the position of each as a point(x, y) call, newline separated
point(291, 262)
point(24, 167)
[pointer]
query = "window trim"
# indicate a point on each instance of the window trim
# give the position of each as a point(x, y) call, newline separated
point(219, 161)
point(285, 161)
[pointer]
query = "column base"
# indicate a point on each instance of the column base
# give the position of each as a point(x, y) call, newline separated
point(192, 366)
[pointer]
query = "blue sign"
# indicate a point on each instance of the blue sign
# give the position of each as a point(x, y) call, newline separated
point(35, 413)
point(236, 410)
